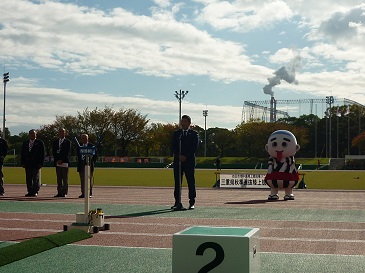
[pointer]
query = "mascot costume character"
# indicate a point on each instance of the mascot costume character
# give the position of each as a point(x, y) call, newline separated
point(282, 172)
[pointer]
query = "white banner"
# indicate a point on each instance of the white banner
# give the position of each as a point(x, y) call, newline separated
point(243, 180)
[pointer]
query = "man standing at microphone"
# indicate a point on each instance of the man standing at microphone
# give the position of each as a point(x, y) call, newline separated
point(185, 142)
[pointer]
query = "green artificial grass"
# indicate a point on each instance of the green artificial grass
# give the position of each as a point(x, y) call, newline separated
point(337, 180)
point(37, 245)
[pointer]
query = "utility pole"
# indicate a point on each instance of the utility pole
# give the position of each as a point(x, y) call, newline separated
point(330, 100)
point(180, 95)
point(5, 80)
point(205, 114)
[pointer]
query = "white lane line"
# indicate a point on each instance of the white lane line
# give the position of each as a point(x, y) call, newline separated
point(262, 252)
point(311, 254)
point(31, 229)
point(33, 220)
point(179, 225)
point(202, 219)
point(128, 247)
point(169, 248)
point(169, 235)
point(312, 240)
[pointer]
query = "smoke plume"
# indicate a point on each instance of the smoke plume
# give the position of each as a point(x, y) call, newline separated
point(283, 73)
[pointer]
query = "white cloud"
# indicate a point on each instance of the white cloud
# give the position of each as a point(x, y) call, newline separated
point(346, 26)
point(78, 39)
point(162, 3)
point(243, 16)
point(83, 40)
point(29, 106)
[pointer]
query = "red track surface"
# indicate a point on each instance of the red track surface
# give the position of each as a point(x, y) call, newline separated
point(275, 236)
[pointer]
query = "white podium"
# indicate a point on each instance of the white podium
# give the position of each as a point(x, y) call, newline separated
point(202, 249)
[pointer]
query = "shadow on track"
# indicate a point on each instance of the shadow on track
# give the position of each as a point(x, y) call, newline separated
point(140, 214)
point(35, 199)
point(253, 202)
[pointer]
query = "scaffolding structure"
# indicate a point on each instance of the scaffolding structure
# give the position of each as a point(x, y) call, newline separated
point(262, 109)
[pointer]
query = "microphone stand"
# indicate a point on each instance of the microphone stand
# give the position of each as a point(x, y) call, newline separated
point(180, 178)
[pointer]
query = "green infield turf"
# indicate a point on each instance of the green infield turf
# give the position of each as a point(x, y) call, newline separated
point(344, 180)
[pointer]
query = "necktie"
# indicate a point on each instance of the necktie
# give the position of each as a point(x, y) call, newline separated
point(185, 133)
point(31, 142)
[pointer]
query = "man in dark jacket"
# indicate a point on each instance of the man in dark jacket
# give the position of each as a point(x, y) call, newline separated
point(61, 149)
point(184, 145)
point(3, 152)
point(32, 159)
point(81, 162)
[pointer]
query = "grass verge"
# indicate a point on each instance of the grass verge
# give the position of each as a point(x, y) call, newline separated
point(37, 245)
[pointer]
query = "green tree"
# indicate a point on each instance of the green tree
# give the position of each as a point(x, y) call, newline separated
point(48, 133)
point(128, 127)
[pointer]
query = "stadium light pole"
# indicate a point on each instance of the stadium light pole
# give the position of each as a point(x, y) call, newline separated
point(5, 80)
point(180, 95)
point(330, 100)
point(205, 114)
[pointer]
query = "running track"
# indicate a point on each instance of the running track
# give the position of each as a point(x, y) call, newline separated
point(324, 222)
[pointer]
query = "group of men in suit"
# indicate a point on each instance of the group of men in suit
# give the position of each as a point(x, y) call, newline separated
point(185, 143)
point(32, 160)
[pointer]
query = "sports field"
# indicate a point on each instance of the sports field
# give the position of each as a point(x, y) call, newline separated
point(205, 178)
point(320, 231)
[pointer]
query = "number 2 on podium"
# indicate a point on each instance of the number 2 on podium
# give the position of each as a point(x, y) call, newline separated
point(219, 255)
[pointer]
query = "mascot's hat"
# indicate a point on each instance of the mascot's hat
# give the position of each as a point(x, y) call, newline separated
point(284, 132)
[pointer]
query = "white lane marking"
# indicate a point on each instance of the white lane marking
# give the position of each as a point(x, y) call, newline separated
point(312, 240)
point(169, 235)
point(31, 229)
point(179, 225)
point(168, 248)
point(129, 247)
point(276, 253)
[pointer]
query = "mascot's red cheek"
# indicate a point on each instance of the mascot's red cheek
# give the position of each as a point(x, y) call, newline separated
point(279, 155)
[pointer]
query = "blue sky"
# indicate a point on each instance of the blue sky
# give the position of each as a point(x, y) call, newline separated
point(64, 56)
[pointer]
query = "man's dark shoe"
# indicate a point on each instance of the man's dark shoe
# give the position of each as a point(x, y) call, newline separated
point(31, 195)
point(179, 207)
point(59, 195)
point(174, 206)
point(2, 194)
point(82, 196)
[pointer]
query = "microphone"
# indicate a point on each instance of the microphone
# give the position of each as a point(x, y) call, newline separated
point(78, 144)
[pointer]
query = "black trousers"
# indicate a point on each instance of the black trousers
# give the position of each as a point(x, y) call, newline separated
point(32, 180)
point(82, 180)
point(189, 170)
point(1, 179)
point(62, 180)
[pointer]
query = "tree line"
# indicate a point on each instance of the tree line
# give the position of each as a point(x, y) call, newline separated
point(127, 132)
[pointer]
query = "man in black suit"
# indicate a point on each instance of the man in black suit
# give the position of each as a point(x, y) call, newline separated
point(184, 145)
point(81, 162)
point(3, 153)
point(61, 149)
point(32, 159)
